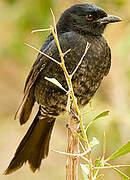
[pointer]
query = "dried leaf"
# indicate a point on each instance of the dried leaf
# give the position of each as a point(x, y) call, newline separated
point(54, 81)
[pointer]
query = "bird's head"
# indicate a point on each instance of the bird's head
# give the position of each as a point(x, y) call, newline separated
point(85, 18)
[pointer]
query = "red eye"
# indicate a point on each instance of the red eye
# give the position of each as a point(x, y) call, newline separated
point(89, 17)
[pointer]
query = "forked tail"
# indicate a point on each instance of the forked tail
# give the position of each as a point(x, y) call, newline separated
point(35, 144)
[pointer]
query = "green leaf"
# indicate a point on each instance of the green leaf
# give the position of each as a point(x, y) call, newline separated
point(94, 116)
point(94, 142)
point(103, 114)
point(120, 152)
point(121, 174)
point(54, 81)
point(85, 170)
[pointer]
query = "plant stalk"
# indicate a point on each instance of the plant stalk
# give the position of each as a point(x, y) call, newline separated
point(72, 162)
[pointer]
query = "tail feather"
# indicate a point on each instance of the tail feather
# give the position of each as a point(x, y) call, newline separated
point(25, 107)
point(35, 144)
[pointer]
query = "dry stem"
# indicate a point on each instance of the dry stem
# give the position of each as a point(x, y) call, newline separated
point(41, 30)
point(73, 140)
point(73, 148)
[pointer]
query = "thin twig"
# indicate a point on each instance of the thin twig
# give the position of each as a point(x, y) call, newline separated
point(85, 159)
point(43, 54)
point(81, 155)
point(104, 146)
point(86, 49)
point(64, 153)
point(70, 154)
point(54, 21)
point(41, 30)
point(66, 52)
point(95, 176)
point(81, 145)
point(108, 167)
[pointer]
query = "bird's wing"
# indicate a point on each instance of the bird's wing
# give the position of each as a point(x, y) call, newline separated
point(49, 48)
point(38, 66)
point(108, 55)
point(66, 40)
point(40, 63)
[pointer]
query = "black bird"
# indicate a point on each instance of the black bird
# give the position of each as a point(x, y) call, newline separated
point(78, 25)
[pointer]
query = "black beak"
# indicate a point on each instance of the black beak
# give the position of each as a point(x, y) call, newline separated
point(109, 19)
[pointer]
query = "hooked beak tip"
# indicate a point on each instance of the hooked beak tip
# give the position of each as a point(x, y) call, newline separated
point(110, 19)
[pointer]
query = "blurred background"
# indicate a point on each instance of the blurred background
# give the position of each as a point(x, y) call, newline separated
point(17, 19)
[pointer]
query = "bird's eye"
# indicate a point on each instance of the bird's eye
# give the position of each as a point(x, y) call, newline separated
point(89, 17)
